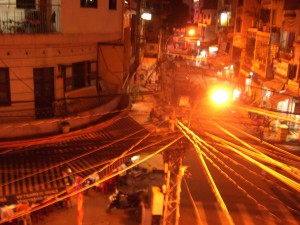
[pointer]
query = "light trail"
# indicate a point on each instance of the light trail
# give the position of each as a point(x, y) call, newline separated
point(198, 141)
point(288, 169)
point(55, 199)
point(276, 115)
point(207, 172)
point(245, 180)
point(258, 139)
point(241, 165)
point(295, 185)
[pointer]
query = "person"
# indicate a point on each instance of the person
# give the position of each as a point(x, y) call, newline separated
point(122, 177)
point(152, 114)
point(53, 21)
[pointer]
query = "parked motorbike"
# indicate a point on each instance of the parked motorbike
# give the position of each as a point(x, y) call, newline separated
point(121, 200)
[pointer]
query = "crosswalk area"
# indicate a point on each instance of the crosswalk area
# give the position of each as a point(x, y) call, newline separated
point(242, 214)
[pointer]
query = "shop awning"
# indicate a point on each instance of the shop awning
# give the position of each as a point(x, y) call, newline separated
point(274, 85)
point(275, 98)
point(17, 184)
point(37, 172)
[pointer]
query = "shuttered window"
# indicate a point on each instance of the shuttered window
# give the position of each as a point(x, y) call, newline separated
point(4, 87)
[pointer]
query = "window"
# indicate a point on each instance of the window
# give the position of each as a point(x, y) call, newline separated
point(112, 4)
point(88, 3)
point(291, 4)
point(4, 87)
point(25, 4)
point(238, 25)
point(79, 75)
point(240, 2)
point(287, 40)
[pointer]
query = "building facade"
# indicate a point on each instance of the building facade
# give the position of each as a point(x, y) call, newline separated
point(267, 40)
point(58, 59)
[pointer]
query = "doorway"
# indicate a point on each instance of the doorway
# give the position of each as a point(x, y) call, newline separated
point(44, 92)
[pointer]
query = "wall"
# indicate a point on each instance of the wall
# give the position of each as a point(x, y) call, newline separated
point(81, 30)
point(52, 126)
point(91, 20)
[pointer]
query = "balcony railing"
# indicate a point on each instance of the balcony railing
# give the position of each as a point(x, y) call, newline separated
point(16, 19)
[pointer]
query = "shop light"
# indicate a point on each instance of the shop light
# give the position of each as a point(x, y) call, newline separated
point(146, 16)
point(224, 19)
point(135, 158)
point(213, 49)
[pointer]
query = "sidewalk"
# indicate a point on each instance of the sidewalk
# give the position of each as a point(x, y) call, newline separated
point(95, 202)
point(94, 213)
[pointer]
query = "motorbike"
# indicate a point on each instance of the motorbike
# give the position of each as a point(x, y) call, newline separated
point(121, 200)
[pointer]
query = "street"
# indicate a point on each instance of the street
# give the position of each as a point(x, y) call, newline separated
point(251, 195)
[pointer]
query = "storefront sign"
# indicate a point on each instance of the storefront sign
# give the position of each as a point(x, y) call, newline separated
point(237, 40)
point(29, 197)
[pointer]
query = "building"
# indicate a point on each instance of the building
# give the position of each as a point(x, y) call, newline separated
point(205, 15)
point(59, 59)
point(267, 40)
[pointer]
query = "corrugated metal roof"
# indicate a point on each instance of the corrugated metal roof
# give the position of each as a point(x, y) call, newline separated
point(35, 172)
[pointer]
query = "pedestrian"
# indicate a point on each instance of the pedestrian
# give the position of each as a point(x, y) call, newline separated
point(261, 133)
point(152, 114)
point(122, 177)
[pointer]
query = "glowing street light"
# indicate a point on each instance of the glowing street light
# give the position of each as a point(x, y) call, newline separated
point(220, 96)
point(191, 32)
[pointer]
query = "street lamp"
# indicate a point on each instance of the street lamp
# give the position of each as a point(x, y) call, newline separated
point(220, 96)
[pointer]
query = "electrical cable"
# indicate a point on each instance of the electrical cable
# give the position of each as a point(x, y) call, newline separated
point(198, 217)
point(207, 172)
point(261, 191)
point(196, 144)
point(56, 199)
point(279, 176)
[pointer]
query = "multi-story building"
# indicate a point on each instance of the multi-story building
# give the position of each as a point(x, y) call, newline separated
point(60, 59)
point(266, 37)
point(205, 16)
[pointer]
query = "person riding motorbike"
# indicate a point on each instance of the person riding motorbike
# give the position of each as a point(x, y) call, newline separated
point(121, 200)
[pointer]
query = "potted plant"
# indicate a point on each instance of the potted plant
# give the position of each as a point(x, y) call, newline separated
point(65, 126)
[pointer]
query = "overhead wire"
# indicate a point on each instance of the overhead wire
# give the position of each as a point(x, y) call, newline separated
point(72, 159)
point(284, 179)
point(51, 201)
point(289, 169)
point(138, 150)
point(9, 146)
point(272, 146)
point(261, 191)
point(208, 174)
point(198, 217)
point(235, 162)
point(200, 143)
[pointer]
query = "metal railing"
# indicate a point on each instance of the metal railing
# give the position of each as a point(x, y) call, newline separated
point(16, 19)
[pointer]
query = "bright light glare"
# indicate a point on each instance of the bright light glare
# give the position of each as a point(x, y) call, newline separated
point(224, 18)
point(146, 16)
point(220, 96)
point(213, 49)
point(191, 32)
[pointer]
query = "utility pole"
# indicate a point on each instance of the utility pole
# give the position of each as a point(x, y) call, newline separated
point(138, 24)
point(174, 172)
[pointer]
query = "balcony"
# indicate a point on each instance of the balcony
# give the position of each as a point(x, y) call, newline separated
point(15, 19)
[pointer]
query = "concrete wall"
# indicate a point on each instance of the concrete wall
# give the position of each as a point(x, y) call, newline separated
point(52, 126)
